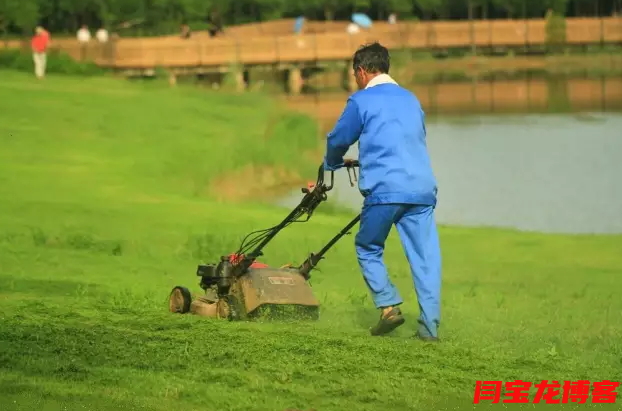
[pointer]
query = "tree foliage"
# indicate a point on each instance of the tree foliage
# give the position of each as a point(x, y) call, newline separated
point(165, 16)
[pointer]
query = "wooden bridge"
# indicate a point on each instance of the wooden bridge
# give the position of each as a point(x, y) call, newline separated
point(274, 43)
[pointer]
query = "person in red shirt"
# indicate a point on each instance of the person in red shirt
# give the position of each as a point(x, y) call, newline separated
point(39, 44)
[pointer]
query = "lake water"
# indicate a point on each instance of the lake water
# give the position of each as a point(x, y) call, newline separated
point(547, 173)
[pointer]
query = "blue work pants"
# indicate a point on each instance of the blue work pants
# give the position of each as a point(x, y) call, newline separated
point(419, 237)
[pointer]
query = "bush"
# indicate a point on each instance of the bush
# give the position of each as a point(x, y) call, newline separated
point(57, 63)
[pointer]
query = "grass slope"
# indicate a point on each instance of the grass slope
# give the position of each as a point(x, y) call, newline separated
point(102, 212)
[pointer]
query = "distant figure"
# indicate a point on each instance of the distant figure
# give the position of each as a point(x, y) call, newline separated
point(105, 48)
point(353, 28)
point(39, 44)
point(84, 35)
point(215, 23)
point(549, 14)
point(392, 18)
point(102, 35)
point(185, 31)
point(299, 24)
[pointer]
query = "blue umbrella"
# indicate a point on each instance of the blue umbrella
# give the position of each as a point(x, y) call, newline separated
point(362, 20)
point(298, 25)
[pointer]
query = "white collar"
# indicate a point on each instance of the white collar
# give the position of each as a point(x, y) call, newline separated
point(380, 79)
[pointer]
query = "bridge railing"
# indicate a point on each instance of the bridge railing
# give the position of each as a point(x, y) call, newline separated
point(246, 49)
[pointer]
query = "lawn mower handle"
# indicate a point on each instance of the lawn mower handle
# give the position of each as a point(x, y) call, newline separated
point(309, 264)
point(313, 196)
point(347, 163)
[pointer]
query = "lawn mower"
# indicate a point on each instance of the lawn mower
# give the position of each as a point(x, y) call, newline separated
point(239, 287)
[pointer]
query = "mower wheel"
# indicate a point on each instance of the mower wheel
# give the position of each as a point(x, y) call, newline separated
point(179, 300)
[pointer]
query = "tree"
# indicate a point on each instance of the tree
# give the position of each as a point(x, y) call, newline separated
point(164, 16)
point(430, 7)
point(401, 6)
point(558, 6)
point(330, 7)
point(21, 14)
point(270, 9)
point(511, 7)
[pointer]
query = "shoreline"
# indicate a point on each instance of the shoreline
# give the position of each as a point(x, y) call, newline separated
point(445, 100)
point(429, 69)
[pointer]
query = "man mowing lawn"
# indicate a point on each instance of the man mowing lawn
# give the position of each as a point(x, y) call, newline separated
point(398, 184)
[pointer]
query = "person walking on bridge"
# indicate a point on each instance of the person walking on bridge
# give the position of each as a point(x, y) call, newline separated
point(398, 186)
point(39, 44)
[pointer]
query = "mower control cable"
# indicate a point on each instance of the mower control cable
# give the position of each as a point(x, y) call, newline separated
point(313, 259)
point(314, 195)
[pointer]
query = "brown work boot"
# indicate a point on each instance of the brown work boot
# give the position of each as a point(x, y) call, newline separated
point(424, 333)
point(426, 338)
point(390, 319)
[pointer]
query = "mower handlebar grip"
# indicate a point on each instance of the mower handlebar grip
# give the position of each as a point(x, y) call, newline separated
point(347, 163)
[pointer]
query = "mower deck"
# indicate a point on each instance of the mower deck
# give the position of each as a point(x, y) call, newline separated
point(261, 292)
point(240, 287)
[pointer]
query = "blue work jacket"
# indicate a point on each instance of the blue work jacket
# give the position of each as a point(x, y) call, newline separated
point(389, 125)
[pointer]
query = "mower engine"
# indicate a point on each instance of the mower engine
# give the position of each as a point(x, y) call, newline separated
point(239, 287)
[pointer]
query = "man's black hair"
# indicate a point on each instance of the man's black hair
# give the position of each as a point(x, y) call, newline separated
point(373, 58)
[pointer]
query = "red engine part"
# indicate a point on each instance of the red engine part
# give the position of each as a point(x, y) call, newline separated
point(236, 258)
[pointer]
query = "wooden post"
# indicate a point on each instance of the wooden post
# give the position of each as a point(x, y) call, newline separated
point(240, 84)
point(348, 77)
point(294, 80)
point(471, 28)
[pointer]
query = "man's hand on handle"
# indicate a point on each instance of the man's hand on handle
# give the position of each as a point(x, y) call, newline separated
point(350, 162)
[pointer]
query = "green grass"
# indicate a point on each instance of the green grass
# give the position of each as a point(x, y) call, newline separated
point(57, 63)
point(103, 210)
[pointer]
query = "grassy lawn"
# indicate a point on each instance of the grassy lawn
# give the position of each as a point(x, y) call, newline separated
point(107, 202)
